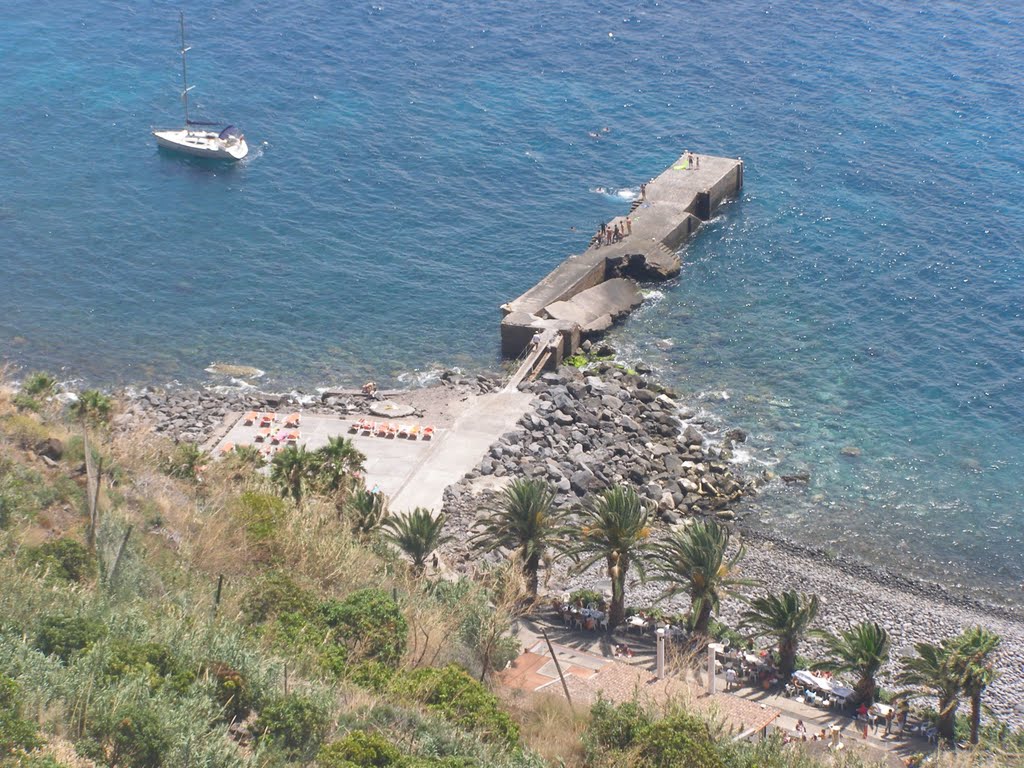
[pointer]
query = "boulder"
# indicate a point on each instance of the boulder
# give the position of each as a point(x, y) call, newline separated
point(51, 448)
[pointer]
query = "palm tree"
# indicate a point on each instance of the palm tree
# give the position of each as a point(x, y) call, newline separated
point(786, 617)
point(614, 527)
point(936, 671)
point(861, 650)
point(92, 406)
point(291, 470)
point(365, 511)
point(526, 521)
point(337, 462)
point(974, 649)
point(417, 534)
point(693, 561)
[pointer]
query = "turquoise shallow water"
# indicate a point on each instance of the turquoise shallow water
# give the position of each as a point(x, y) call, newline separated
point(415, 165)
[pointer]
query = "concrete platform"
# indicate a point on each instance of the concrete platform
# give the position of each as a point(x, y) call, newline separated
point(671, 210)
point(388, 460)
point(412, 473)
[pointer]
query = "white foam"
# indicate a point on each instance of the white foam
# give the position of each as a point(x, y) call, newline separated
point(303, 399)
point(423, 378)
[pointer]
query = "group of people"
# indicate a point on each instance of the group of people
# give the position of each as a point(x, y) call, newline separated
point(607, 235)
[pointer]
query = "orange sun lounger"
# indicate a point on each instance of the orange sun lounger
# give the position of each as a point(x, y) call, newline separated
point(249, 419)
point(291, 420)
point(262, 434)
point(227, 448)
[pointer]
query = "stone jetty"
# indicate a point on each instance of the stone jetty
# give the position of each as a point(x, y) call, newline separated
point(587, 292)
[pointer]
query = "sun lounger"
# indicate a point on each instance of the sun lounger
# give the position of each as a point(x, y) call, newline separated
point(414, 433)
point(368, 428)
point(262, 434)
point(382, 429)
point(266, 419)
point(291, 420)
point(227, 448)
point(276, 438)
point(249, 419)
point(354, 427)
point(403, 430)
point(292, 438)
point(428, 433)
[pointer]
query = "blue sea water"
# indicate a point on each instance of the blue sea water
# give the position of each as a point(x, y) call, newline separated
point(414, 165)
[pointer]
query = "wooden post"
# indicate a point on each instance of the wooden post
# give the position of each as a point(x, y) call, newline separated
point(558, 668)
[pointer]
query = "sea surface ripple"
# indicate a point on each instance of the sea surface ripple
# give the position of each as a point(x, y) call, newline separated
point(415, 165)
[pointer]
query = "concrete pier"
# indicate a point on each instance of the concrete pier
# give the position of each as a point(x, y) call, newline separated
point(587, 292)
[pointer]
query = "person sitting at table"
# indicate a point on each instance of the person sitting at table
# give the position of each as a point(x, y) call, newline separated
point(623, 650)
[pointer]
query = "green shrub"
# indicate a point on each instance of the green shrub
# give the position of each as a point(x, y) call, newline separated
point(680, 739)
point(25, 430)
point(366, 750)
point(184, 462)
point(156, 663)
point(39, 384)
point(261, 514)
point(460, 699)
point(368, 624)
point(371, 675)
point(92, 406)
point(722, 632)
point(293, 724)
point(588, 596)
point(233, 692)
point(614, 727)
point(64, 636)
point(274, 596)
point(24, 402)
point(64, 559)
point(16, 733)
point(131, 735)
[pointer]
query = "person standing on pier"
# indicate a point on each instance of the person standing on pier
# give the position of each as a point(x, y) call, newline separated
point(643, 191)
point(629, 226)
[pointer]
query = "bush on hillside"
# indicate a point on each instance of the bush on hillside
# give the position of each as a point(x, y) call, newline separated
point(680, 739)
point(359, 748)
point(155, 663)
point(64, 636)
point(16, 733)
point(92, 406)
point(39, 384)
point(368, 625)
point(184, 462)
point(131, 735)
point(273, 596)
point(233, 692)
point(460, 699)
point(261, 515)
point(614, 727)
point(292, 724)
point(63, 560)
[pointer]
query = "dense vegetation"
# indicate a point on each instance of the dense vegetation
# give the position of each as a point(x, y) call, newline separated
point(159, 609)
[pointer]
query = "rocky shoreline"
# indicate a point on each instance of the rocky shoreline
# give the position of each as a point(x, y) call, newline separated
point(591, 429)
point(606, 425)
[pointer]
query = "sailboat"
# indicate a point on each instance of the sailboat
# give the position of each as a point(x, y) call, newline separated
point(198, 137)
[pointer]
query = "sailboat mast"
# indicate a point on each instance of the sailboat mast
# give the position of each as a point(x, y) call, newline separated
point(184, 68)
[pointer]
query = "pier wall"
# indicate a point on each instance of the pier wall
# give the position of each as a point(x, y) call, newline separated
point(576, 298)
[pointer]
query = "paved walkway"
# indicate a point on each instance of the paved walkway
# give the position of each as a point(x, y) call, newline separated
point(892, 749)
point(459, 449)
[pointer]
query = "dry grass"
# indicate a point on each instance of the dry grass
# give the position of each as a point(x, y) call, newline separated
point(550, 727)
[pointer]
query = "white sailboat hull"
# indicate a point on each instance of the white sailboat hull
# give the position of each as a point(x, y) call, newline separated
point(203, 144)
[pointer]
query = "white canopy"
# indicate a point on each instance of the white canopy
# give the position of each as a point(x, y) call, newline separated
point(813, 681)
